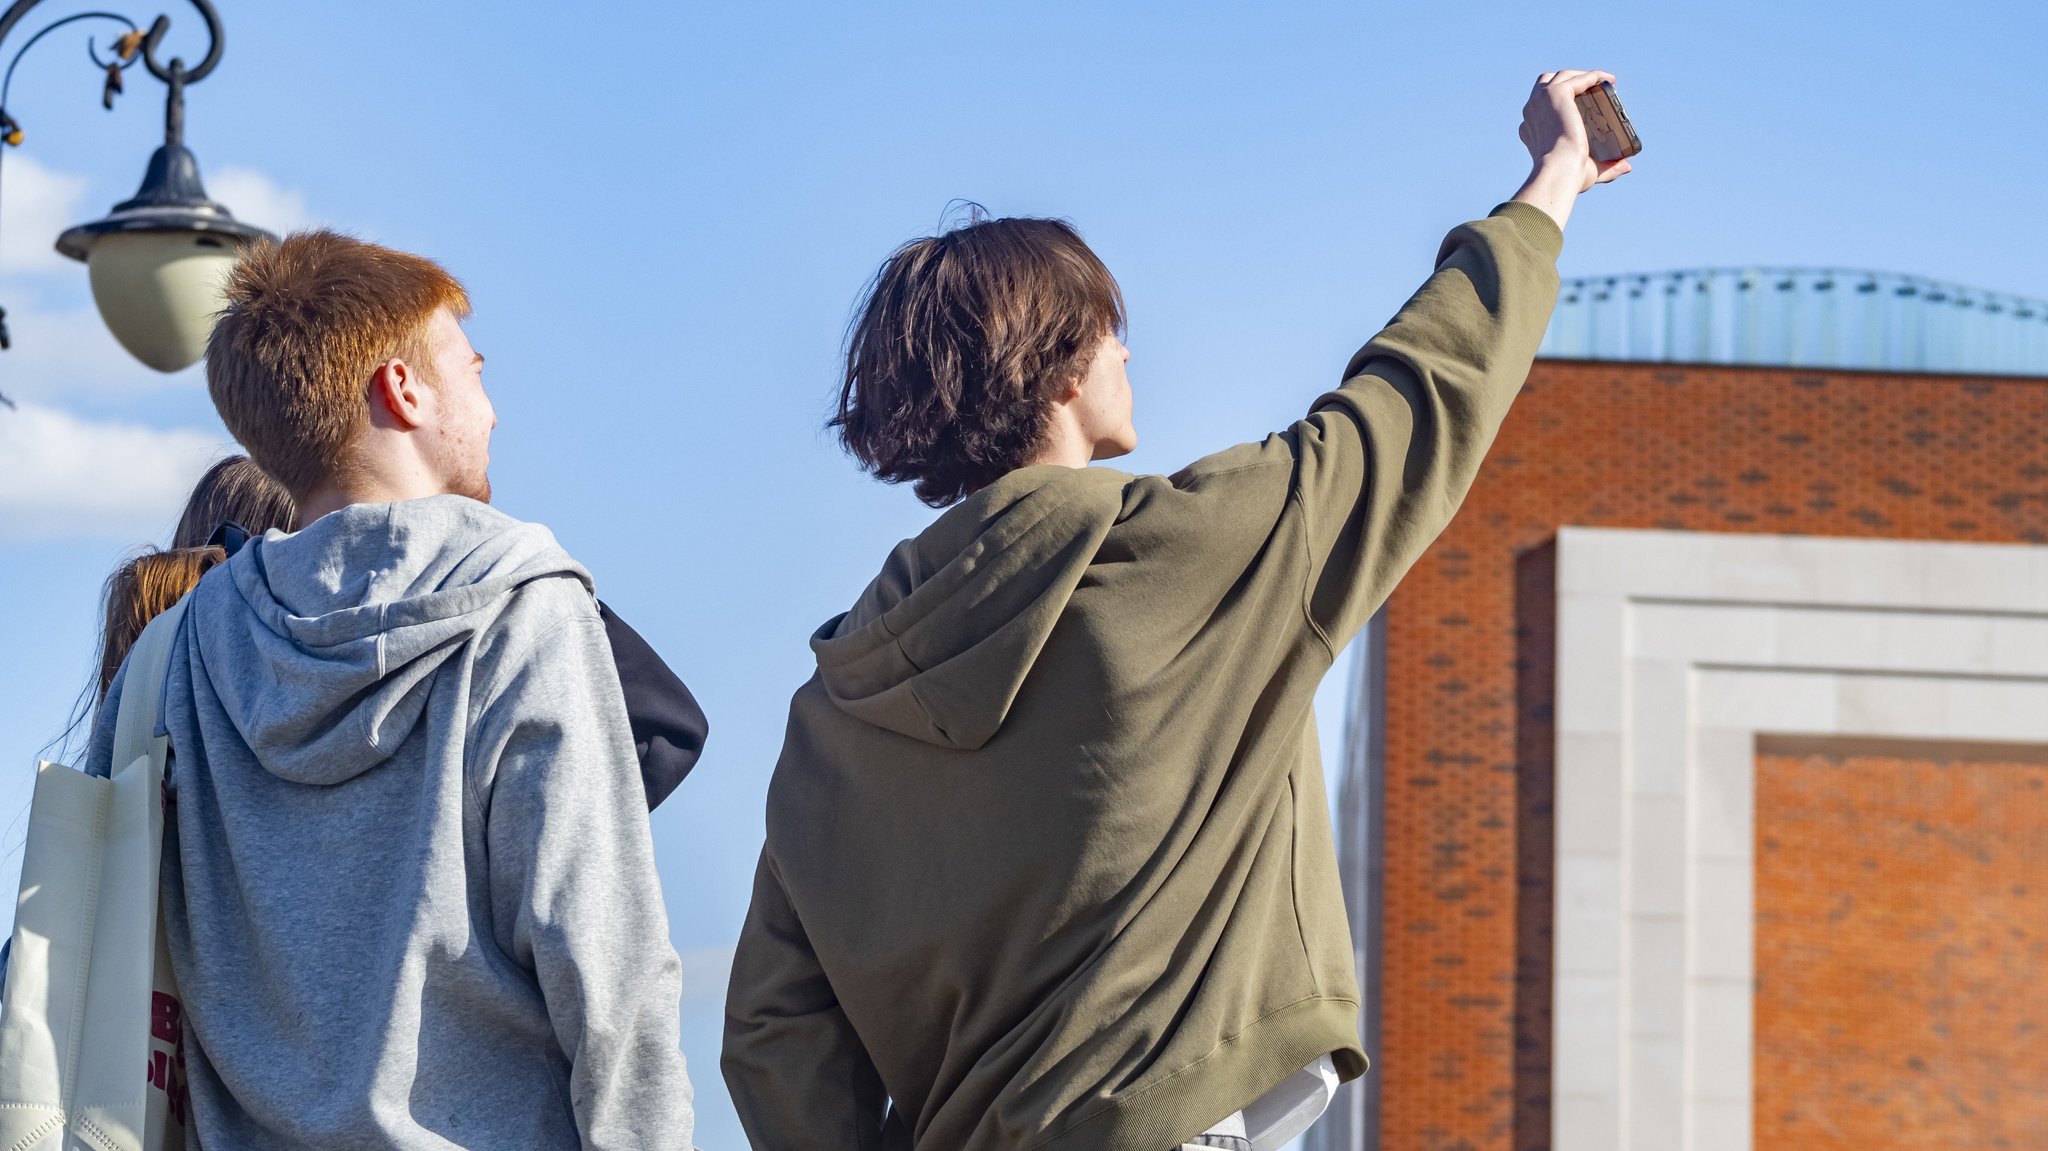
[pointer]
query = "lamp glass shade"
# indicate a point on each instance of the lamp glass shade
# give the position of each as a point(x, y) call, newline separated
point(159, 292)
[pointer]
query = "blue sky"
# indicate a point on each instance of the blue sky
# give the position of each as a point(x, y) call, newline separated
point(665, 214)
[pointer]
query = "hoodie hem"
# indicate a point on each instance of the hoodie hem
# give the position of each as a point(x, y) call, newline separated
point(1238, 1071)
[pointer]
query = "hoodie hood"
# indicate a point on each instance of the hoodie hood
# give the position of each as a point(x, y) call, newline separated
point(322, 645)
point(940, 643)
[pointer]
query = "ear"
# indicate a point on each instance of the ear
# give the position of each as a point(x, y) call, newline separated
point(398, 388)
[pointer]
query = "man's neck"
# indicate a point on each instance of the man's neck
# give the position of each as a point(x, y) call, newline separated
point(1064, 446)
point(333, 497)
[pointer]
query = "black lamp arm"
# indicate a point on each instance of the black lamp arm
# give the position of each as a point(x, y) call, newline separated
point(20, 8)
point(214, 43)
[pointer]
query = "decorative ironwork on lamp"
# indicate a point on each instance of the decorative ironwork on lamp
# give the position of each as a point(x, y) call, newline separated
point(156, 260)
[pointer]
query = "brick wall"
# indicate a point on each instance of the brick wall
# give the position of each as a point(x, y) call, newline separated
point(1902, 954)
point(1466, 918)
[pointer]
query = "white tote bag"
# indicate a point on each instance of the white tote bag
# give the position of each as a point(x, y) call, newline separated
point(91, 1029)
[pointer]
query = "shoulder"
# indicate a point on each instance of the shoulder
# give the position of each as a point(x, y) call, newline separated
point(1245, 484)
point(1275, 453)
point(548, 621)
point(535, 614)
point(551, 599)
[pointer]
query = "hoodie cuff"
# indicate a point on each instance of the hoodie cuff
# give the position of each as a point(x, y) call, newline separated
point(1534, 224)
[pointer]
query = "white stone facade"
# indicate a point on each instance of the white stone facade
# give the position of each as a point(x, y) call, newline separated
point(1676, 652)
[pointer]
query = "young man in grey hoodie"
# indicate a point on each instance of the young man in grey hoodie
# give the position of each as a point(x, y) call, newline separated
point(410, 891)
point(1048, 864)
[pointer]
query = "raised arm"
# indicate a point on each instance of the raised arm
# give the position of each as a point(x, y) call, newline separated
point(1381, 464)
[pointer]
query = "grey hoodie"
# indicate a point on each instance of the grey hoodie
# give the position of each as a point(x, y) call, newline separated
point(411, 896)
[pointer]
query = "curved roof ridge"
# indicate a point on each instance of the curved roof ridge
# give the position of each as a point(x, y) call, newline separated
point(1825, 317)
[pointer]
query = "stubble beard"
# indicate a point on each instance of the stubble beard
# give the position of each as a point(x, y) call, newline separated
point(475, 485)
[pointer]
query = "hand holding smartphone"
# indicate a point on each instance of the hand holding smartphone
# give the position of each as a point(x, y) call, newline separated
point(1578, 137)
point(1608, 130)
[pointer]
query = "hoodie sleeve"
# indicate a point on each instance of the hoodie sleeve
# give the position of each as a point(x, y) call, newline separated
point(798, 1074)
point(1379, 466)
point(574, 889)
point(669, 728)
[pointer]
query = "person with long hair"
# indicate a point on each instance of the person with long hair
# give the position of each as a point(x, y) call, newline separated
point(234, 493)
point(232, 501)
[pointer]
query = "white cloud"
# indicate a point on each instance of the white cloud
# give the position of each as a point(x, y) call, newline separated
point(65, 355)
point(65, 476)
point(36, 205)
point(257, 199)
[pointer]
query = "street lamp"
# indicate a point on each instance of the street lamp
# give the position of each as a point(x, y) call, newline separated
point(157, 260)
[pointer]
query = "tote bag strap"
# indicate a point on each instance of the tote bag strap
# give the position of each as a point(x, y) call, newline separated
point(161, 1124)
point(142, 688)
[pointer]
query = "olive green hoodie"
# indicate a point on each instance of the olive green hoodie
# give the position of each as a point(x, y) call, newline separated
point(1048, 860)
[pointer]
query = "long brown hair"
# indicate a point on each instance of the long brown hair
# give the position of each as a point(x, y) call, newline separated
point(234, 491)
point(138, 592)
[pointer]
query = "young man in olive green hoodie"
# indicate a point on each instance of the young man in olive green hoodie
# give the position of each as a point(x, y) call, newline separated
point(1048, 863)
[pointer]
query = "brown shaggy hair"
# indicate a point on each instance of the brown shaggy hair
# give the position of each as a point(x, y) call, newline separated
point(138, 592)
point(961, 346)
point(235, 491)
point(307, 321)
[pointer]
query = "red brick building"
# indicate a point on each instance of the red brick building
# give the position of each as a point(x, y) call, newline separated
point(1891, 954)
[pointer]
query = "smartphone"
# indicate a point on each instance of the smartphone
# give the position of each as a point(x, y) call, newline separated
point(1612, 136)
